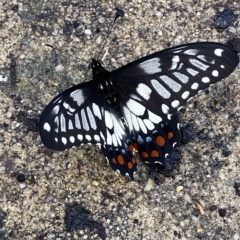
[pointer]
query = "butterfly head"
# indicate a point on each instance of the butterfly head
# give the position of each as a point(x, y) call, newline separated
point(95, 65)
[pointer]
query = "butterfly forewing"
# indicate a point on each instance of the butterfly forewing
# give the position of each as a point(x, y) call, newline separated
point(79, 116)
point(164, 81)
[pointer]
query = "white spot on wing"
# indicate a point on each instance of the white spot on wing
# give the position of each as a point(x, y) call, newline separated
point(144, 91)
point(64, 140)
point(151, 66)
point(215, 73)
point(67, 106)
point(118, 129)
point(56, 121)
point(55, 110)
point(191, 52)
point(165, 108)
point(135, 122)
point(142, 125)
point(77, 121)
point(84, 120)
point(88, 137)
point(127, 115)
point(153, 117)
point(181, 77)
point(175, 103)
point(149, 124)
point(96, 111)
point(78, 97)
point(47, 127)
point(135, 107)
point(180, 66)
point(199, 64)
point(91, 119)
point(108, 119)
point(218, 52)
point(62, 123)
point(70, 125)
point(80, 137)
point(185, 94)
point(192, 71)
point(96, 138)
point(161, 90)
point(195, 86)
point(171, 83)
point(72, 139)
point(205, 79)
point(175, 61)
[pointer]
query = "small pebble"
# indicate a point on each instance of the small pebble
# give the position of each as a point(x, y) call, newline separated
point(59, 68)
point(99, 40)
point(87, 31)
point(179, 188)
point(22, 185)
point(236, 236)
point(101, 20)
point(9, 114)
point(158, 14)
point(95, 183)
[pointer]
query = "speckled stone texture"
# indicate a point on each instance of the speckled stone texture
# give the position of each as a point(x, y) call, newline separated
point(200, 202)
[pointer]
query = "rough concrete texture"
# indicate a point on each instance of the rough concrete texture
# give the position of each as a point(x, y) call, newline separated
point(200, 202)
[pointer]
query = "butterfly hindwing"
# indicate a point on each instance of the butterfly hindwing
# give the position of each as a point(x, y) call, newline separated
point(157, 144)
point(121, 158)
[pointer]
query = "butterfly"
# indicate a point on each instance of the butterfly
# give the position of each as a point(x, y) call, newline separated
point(134, 108)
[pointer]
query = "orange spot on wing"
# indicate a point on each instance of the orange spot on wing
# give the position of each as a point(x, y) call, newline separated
point(154, 153)
point(130, 165)
point(160, 141)
point(170, 135)
point(120, 160)
point(131, 147)
point(133, 160)
point(144, 154)
point(114, 161)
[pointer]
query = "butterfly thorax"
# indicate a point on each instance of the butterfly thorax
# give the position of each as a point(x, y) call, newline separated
point(102, 78)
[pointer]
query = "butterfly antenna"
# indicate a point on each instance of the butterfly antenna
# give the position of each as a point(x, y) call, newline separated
point(119, 13)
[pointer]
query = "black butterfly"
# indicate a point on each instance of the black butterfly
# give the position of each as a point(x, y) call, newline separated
point(135, 106)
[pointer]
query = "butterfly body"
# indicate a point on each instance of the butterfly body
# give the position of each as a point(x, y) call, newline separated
point(134, 107)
